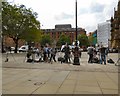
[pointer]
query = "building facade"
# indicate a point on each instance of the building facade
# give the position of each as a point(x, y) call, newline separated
point(115, 28)
point(104, 33)
point(64, 29)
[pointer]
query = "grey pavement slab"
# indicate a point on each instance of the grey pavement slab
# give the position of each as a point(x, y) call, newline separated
point(36, 81)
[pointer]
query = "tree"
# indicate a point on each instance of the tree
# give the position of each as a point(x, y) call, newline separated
point(63, 39)
point(83, 39)
point(91, 39)
point(45, 39)
point(19, 23)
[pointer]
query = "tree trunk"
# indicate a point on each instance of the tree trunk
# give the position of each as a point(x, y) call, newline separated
point(2, 45)
point(16, 44)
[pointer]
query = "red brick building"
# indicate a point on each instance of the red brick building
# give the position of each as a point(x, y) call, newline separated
point(64, 29)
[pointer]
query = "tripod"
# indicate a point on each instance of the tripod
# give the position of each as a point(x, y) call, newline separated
point(7, 56)
point(117, 63)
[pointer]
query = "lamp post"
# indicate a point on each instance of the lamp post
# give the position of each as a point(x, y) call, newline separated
point(76, 49)
point(76, 20)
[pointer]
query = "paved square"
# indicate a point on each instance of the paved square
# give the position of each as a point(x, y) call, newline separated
point(19, 77)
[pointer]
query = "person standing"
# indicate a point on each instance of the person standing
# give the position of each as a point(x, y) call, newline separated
point(53, 54)
point(67, 53)
point(76, 53)
point(45, 57)
point(80, 49)
point(103, 53)
point(90, 53)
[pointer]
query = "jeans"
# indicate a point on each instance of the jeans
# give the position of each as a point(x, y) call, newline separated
point(103, 58)
point(52, 56)
point(90, 58)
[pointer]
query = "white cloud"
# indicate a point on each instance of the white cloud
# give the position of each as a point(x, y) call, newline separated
point(64, 16)
point(52, 12)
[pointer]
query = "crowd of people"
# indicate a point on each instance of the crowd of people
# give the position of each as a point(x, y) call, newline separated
point(98, 54)
point(43, 54)
point(48, 54)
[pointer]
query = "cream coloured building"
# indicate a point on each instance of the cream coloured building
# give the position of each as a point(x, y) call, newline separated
point(104, 34)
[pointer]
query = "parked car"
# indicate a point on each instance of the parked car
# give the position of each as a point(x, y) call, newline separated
point(113, 50)
point(23, 48)
point(12, 48)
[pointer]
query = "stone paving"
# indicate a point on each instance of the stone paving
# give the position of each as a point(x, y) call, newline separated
point(19, 77)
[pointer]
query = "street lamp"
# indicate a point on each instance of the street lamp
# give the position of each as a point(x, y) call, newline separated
point(76, 20)
point(76, 49)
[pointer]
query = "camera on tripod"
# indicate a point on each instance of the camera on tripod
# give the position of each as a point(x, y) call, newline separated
point(32, 52)
point(8, 50)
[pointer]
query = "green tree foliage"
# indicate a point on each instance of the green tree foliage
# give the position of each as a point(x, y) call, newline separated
point(63, 39)
point(83, 40)
point(18, 22)
point(45, 39)
point(91, 40)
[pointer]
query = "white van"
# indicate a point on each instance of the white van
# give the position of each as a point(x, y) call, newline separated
point(23, 48)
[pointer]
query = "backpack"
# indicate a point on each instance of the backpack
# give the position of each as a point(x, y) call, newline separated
point(95, 60)
point(30, 60)
point(110, 61)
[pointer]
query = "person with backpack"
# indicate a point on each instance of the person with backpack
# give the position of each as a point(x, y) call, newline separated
point(90, 51)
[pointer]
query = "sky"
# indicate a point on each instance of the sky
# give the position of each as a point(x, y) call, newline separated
point(89, 12)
